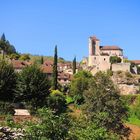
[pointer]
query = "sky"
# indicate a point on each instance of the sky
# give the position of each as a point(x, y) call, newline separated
point(36, 26)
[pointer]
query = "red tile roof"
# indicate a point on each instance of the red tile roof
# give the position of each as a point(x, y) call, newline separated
point(48, 62)
point(136, 61)
point(110, 48)
point(17, 64)
point(47, 69)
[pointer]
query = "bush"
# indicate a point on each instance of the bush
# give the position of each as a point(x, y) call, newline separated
point(6, 108)
point(49, 126)
point(7, 81)
point(56, 102)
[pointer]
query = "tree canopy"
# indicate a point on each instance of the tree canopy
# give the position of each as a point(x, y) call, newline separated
point(7, 81)
point(104, 106)
point(79, 84)
point(33, 86)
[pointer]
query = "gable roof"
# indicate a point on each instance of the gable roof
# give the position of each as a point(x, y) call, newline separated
point(110, 48)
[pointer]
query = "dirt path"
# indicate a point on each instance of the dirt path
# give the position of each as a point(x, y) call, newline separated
point(135, 135)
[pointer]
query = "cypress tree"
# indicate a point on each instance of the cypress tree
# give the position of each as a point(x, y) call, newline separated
point(55, 72)
point(74, 65)
point(42, 60)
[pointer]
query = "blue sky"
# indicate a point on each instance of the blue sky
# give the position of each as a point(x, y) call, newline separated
point(36, 26)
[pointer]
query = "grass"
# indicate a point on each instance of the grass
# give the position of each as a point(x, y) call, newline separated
point(134, 121)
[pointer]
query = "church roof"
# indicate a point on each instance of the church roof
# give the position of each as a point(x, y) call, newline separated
point(110, 48)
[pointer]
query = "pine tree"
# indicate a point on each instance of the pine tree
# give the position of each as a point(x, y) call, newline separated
point(74, 65)
point(3, 38)
point(55, 72)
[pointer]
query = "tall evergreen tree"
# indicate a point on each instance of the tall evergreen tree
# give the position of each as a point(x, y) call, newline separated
point(74, 65)
point(55, 72)
point(3, 38)
point(42, 60)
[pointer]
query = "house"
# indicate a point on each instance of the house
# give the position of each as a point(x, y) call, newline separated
point(18, 65)
point(48, 70)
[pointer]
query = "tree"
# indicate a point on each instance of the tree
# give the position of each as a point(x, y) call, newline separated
point(55, 72)
point(83, 129)
point(42, 60)
point(14, 56)
point(57, 102)
point(115, 59)
point(5, 46)
point(25, 57)
point(79, 84)
point(74, 65)
point(104, 106)
point(49, 126)
point(3, 38)
point(32, 86)
point(7, 81)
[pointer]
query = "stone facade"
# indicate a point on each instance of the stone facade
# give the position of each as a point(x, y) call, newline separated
point(99, 57)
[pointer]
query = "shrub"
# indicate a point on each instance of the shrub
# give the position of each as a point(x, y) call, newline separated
point(56, 102)
point(7, 81)
point(6, 108)
point(49, 126)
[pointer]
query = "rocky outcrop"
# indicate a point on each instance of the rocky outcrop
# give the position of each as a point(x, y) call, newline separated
point(126, 82)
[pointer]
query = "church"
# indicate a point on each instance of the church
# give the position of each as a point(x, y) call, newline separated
point(99, 57)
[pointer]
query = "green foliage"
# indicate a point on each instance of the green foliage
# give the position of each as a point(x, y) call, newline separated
point(115, 59)
point(74, 65)
point(25, 57)
point(69, 99)
point(87, 130)
point(57, 102)
point(6, 46)
point(7, 81)
point(32, 87)
point(129, 99)
point(135, 109)
point(14, 56)
point(55, 72)
point(78, 85)
point(49, 126)
point(6, 108)
point(42, 60)
point(104, 106)
point(138, 69)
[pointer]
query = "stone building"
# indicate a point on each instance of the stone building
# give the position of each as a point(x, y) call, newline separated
point(99, 57)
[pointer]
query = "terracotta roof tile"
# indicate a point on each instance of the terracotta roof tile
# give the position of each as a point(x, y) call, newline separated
point(136, 61)
point(47, 69)
point(17, 64)
point(110, 48)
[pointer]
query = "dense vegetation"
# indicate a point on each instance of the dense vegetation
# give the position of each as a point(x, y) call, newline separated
point(102, 112)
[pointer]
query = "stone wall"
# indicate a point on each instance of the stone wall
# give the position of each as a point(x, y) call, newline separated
point(126, 82)
point(121, 67)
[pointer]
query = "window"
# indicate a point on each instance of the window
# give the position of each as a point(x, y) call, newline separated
point(104, 59)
